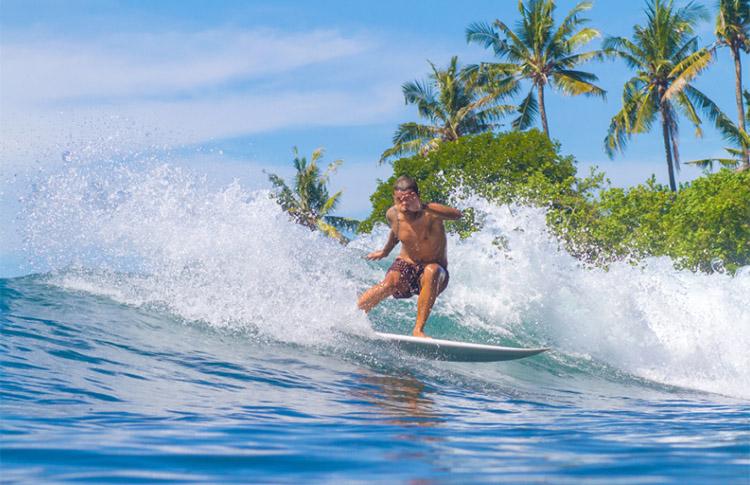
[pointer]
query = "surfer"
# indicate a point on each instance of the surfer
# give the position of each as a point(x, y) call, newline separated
point(422, 266)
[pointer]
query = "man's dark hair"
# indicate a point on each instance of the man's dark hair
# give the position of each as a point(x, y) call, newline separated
point(404, 183)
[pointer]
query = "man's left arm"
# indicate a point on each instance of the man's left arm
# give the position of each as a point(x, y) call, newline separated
point(442, 211)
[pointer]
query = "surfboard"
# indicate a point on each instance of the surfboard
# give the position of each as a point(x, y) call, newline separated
point(451, 350)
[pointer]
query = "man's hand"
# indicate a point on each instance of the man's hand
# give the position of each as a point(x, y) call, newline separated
point(409, 201)
point(376, 255)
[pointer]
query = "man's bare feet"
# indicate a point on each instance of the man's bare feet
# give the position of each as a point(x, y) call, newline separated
point(419, 333)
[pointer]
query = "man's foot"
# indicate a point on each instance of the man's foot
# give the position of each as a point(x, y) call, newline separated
point(419, 333)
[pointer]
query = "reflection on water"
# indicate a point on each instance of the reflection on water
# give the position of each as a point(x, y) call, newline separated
point(403, 399)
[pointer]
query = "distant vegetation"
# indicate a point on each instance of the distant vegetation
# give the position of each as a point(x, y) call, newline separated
point(541, 53)
point(665, 55)
point(307, 201)
point(704, 226)
point(454, 102)
point(499, 167)
point(458, 143)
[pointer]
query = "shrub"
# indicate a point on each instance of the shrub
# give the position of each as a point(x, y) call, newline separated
point(710, 219)
point(706, 221)
point(497, 166)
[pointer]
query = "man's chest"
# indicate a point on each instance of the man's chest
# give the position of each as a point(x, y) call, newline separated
point(414, 230)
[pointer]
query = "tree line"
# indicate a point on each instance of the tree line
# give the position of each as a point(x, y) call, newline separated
point(664, 53)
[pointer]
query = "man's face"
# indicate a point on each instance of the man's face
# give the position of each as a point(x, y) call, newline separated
point(406, 200)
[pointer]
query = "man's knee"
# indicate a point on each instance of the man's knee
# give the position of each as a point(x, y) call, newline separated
point(433, 271)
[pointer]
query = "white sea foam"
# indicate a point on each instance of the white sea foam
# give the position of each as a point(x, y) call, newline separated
point(675, 327)
point(161, 236)
point(229, 258)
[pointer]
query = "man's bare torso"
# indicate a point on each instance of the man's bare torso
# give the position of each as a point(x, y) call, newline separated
point(422, 236)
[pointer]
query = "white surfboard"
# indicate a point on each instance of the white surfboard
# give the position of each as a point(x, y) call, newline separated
point(456, 351)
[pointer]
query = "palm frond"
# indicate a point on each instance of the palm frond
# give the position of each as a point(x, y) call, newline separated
point(568, 25)
point(687, 70)
point(573, 60)
point(618, 134)
point(330, 231)
point(411, 131)
point(342, 223)
point(494, 113)
point(703, 102)
point(577, 82)
point(625, 49)
point(688, 109)
point(400, 149)
point(646, 105)
point(708, 163)
point(517, 49)
point(330, 204)
point(527, 112)
point(485, 35)
point(580, 38)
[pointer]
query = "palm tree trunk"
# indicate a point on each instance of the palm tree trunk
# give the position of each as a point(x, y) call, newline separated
point(738, 95)
point(666, 131)
point(542, 110)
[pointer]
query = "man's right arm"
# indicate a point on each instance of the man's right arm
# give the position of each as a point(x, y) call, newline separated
point(392, 239)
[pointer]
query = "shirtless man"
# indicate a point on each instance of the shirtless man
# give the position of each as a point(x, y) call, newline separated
point(422, 266)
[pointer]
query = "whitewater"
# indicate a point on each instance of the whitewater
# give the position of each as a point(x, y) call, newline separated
point(177, 331)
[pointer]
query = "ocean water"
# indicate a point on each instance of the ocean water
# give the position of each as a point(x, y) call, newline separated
point(175, 332)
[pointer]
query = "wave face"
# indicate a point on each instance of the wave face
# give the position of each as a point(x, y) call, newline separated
point(178, 332)
point(158, 236)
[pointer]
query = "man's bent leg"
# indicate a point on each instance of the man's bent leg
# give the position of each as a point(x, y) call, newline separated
point(432, 282)
point(379, 292)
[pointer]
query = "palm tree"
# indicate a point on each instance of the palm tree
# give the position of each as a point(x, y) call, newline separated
point(309, 203)
point(665, 55)
point(735, 135)
point(455, 102)
point(733, 31)
point(540, 53)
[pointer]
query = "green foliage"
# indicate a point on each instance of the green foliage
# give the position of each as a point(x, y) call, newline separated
point(454, 102)
point(710, 219)
point(733, 24)
point(496, 166)
point(706, 221)
point(309, 203)
point(735, 135)
point(541, 53)
point(665, 57)
point(618, 224)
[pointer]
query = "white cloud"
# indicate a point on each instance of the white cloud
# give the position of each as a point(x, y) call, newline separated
point(140, 89)
point(158, 64)
point(139, 123)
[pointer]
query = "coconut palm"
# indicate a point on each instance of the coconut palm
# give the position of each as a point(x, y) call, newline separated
point(309, 203)
point(455, 102)
point(736, 136)
point(538, 52)
point(733, 31)
point(665, 55)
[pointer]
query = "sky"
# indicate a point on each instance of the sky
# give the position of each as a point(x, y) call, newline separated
point(227, 88)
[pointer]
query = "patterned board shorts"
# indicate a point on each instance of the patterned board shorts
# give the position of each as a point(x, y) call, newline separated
point(410, 278)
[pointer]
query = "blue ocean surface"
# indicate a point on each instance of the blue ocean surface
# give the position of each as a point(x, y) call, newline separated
point(180, 333)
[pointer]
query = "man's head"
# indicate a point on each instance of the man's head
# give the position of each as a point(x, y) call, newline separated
point(406, 194)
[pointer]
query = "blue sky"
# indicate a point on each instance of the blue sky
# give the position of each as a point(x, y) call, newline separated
point(236, 84)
